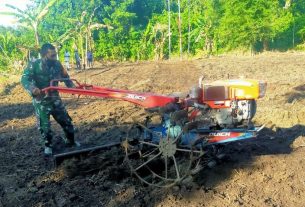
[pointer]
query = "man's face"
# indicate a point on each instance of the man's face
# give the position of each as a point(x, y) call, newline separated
point(51, 55)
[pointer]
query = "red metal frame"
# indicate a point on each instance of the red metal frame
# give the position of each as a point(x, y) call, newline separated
point(150, 100)
point(146, 100)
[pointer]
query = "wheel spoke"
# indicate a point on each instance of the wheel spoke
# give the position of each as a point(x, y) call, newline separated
point(158, 176)
point(187, 150)
point(147, 154)
point(148, 143)
point(176, 167)
point(148, 161)
point(165, 161)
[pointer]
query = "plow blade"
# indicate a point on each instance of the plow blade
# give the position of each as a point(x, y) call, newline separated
point(60, 157)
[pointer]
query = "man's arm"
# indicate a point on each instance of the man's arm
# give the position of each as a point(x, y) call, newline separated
point(65, 75)
point(27, 80)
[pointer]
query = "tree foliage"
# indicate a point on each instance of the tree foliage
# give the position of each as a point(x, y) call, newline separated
point(138, 29)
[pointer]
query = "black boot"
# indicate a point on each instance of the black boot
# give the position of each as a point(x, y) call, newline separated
point(70, 141)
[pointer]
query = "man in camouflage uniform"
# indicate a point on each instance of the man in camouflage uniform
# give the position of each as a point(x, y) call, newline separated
point(37, 76)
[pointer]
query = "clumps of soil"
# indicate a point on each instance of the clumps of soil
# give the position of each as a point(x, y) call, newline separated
point(267, 171)
point(110, 162)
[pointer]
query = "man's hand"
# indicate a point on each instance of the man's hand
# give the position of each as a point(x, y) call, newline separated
point(36, 92)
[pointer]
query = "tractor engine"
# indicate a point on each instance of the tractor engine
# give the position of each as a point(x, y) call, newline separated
point(220, 105)
point(229, 103)
point(240, 113)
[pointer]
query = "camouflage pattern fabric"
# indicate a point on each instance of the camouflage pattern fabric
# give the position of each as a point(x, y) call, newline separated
point(38, 75)
point(43, 110)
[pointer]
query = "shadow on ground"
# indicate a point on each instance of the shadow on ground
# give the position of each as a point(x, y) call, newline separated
point(297, 94)
point(103, 179)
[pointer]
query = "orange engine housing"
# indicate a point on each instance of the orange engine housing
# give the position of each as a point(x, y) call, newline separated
point(219, 94)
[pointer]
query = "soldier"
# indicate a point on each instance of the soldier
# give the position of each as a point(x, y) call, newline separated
point(36, 76)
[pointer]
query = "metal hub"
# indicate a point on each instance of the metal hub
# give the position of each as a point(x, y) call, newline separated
point(167, 147)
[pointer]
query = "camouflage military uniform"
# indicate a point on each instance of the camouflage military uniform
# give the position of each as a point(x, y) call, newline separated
point(38, 75)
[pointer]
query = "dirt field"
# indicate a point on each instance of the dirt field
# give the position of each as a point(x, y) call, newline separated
point(268, 171)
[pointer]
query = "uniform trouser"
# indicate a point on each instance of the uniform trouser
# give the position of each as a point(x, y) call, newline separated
point(43, 110)
point(89, 63)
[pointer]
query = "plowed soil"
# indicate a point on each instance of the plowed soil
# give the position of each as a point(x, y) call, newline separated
point(267, 171)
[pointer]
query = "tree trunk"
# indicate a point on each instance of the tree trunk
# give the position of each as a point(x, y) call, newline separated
point(189, 29)
point(82, 48)
point(169, 28)
point(251, 49)
point(86, 51)
point(57, 51)
point(36, 36)
point(179, 26)
point(293, 33)
point(265, 45)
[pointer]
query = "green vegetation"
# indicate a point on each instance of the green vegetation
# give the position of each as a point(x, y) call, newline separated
point(139, 29)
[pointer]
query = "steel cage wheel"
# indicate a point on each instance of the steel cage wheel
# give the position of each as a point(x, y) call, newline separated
point(161, 163)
